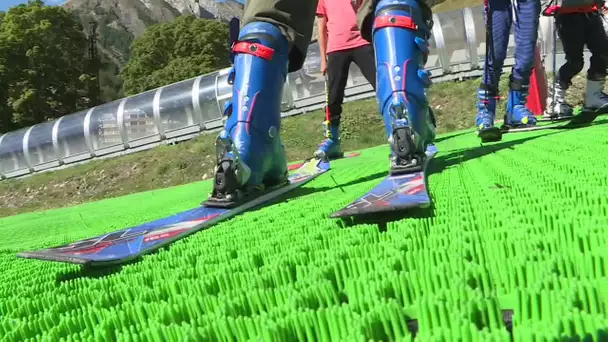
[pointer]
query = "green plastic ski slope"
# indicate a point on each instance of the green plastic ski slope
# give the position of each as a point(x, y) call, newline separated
point(519, 226)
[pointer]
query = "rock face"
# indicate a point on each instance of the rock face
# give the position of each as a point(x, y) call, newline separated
point(121, 21)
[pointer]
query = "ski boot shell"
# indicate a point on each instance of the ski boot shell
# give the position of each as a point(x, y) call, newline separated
point(250, 154)
point(557, 107)
point(487, 98)
point(518, 115)
point(595, 98)
point(400, 38)
point(329, 148)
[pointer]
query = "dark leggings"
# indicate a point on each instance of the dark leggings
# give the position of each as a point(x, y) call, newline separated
point(577, 30)
point(338, 64)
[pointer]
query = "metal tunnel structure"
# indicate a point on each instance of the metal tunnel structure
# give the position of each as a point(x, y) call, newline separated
point(185, 109)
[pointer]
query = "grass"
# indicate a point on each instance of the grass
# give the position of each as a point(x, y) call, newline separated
point(517, 226)
point(453, 103)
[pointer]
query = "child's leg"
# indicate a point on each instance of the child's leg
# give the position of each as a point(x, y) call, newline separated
point(571, 28)
point(597, 42)
point(526, 35)
point(365, 59)
point(338, 63)
point(499, 24)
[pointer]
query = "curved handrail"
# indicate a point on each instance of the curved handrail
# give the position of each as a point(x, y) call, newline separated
point(296, 101)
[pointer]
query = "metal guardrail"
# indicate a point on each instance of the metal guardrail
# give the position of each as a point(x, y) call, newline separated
point(188, 108)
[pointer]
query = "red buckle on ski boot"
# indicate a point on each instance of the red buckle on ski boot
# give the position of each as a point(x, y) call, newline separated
point(255, 49)
point(395, 21)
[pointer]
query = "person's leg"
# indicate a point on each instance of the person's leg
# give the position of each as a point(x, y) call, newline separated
point(364, 58)
point(337, 74)
point(571, 28)
point(526, 36)
point(250, 154)
point(295, 19)
point(499, 18)
point(400, 37)
point(597, 42)
point(365, 21)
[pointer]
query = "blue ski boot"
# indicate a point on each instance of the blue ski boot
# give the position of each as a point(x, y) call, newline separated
point(518, 115)
point(486, 111)
point(250, 154)
point(330, 146)
point(400, 36)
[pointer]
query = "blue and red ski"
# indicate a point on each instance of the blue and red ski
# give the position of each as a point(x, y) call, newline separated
point(128, 244)
point(399, 192)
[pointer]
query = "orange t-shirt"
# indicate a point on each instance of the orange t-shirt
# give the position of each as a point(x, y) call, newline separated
point(342, 31)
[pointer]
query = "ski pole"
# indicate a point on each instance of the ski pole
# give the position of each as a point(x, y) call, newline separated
point(489, 77)
point(554, 52)
point(326, 100)
point(551, 11)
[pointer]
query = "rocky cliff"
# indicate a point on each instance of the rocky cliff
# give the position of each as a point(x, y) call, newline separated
point(121, 21)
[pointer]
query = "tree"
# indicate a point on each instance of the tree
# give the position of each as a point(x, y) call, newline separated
point(170, 52)
point(42, 65)
point(6, 123)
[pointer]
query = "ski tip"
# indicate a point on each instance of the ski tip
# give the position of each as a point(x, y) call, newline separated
point(341, 214)
point(321, 164)
point(583, 118)
point(554, 119)
point(379, 211)
point(315, 163)
point(53, 257)
point(23, 255)
point(32, 255)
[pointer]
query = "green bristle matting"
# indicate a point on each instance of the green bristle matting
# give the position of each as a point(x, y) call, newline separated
point(517, 226)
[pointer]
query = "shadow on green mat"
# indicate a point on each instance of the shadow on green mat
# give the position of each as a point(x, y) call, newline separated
point(91, 272)
point(444, 161)
point(450, 136)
